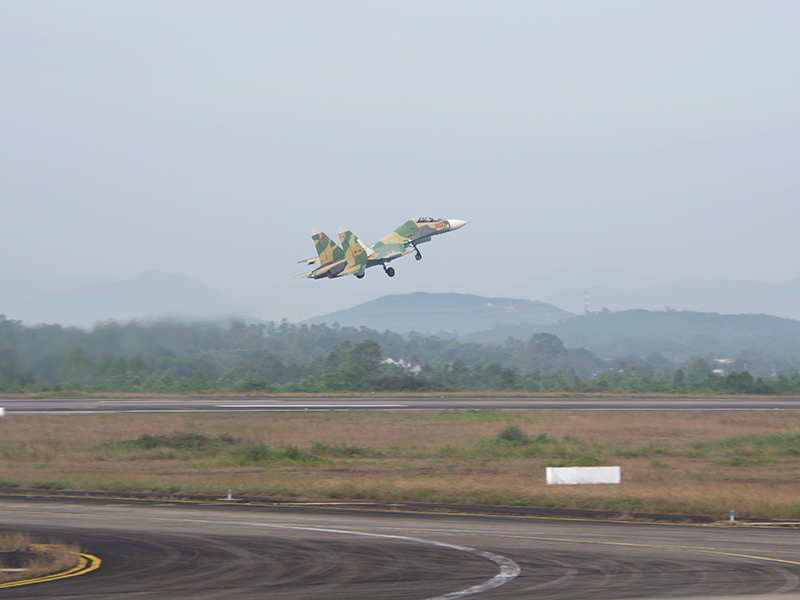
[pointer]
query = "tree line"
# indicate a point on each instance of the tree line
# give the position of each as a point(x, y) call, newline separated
point(181, 357)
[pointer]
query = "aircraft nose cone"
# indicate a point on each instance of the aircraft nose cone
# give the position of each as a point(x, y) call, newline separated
point(456, 223)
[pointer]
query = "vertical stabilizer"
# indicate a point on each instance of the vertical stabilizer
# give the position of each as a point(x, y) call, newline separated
point(327, 249)
point(353, 250)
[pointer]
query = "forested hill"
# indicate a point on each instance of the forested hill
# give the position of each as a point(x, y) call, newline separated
point(113, 354)
point(442, 313)
point(676, 335)
point(633, 348)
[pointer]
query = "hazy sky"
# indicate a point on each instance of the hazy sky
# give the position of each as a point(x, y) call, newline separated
point(209, 138)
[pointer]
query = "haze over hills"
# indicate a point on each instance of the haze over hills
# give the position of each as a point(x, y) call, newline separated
point(758, 342)
point(16, 291)
point(152, 294)
point(580, 277)
point(673, 334)
point(544, 299)
point(676, 335)
point(623, 290)
point(442, 313)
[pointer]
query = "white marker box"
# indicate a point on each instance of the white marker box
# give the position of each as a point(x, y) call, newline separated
point(583, 475)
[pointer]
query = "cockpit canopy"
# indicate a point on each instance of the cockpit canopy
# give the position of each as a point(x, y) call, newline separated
point(427, 220)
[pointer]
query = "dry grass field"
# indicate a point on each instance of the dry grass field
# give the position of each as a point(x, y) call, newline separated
point(22, 558)
point(706, 463)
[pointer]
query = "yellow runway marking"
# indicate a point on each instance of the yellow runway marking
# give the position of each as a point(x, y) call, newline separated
point(86, 563)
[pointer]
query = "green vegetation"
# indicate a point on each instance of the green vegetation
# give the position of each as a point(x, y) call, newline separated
point(701, 462)
point(170, 357)
point(193, 442)
point(220, 450)
point(512, 436)
point(509, 442)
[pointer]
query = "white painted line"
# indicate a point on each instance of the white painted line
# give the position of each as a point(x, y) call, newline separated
point(508, 568)
point(312, 405)
point(147, 401)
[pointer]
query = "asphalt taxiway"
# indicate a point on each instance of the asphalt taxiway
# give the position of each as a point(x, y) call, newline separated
point(208, 551)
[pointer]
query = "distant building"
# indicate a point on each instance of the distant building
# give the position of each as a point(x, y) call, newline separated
point(721, 362)
point(412, 366)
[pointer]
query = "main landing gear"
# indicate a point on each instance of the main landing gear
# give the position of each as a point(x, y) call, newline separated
point(418, 255)
point(388, 270)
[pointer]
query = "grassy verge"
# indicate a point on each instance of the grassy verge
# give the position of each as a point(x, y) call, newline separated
point(707, 463)
point(21, 558)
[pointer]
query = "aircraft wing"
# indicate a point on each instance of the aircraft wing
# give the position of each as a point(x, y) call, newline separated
point(386, 252)
point(394, 245)
point(403, 240)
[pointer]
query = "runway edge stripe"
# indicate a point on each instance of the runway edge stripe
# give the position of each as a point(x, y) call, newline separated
point(86, 563)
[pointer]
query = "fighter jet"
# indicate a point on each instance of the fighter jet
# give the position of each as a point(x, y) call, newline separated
point(355, 257)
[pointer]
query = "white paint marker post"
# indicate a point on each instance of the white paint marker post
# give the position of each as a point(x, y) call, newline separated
point(733, 518)
point(230, 497)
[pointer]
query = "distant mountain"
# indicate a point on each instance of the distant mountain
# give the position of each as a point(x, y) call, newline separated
point(619, 290)
point(152, 294)
point(675, 334)
point(722, 296)
point(442, 313)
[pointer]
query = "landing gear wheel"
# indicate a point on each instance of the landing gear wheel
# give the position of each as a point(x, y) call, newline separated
point(390, 272)
point(418, 256)
point(360, 276)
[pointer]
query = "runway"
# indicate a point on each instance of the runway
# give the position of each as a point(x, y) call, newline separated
point(172, 551)
point(198, 405)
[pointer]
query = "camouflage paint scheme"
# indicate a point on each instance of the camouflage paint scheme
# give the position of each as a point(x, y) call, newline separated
point(354, 257)
point(331, 258)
